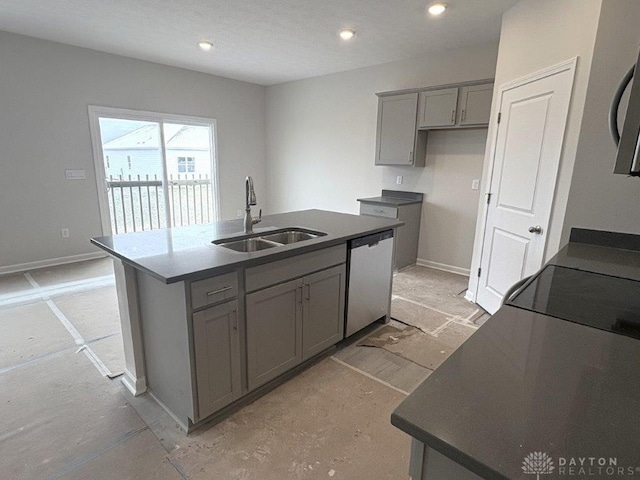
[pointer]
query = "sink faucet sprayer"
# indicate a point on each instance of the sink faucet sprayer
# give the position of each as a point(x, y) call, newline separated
point(250, 197)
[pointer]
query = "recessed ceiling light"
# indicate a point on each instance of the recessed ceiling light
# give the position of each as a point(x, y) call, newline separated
point(347, 33)
point(205, 45)
point(437, 9)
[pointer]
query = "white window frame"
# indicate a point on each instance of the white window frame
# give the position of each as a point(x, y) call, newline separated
point(97, 112)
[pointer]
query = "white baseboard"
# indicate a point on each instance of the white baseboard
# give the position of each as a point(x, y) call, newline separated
point(443, 267)
point(23, 267)
point(137, 386)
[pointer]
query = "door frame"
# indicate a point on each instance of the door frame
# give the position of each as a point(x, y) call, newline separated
point(479, 244)
point(96, 112)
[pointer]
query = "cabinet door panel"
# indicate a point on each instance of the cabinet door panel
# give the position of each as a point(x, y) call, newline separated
point(396, 129)
point(475, 104)
point(274, 331)
point(323, 310)
point(438, 108)
point(217, 357)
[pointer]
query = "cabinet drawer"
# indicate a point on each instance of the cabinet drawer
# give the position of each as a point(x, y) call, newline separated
point(378, 210)
point(282, 270)
point(214, 290)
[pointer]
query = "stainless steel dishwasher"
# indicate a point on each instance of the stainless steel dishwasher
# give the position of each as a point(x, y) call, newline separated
point(370, 278)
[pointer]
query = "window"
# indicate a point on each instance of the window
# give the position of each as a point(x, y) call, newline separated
point(158, 152)
point(186, 164)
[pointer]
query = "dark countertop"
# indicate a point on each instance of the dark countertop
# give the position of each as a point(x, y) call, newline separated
point(181, 253)
point(527, 382)
point(394, 198)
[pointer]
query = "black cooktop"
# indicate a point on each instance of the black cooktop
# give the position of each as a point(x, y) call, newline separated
point(593, 299)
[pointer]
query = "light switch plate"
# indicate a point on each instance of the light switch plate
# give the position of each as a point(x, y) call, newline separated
point(75, 174)
point(399, 180)
point(475, 184)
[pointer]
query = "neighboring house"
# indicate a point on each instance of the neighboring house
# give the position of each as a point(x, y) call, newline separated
point(138, 152)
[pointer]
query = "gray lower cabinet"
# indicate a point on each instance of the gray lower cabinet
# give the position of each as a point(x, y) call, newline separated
point(293, 321)
point(429, 464)
point(407, 236)
point(274, 331)
point(322, 310)
point(217, 357)
point(208, 342)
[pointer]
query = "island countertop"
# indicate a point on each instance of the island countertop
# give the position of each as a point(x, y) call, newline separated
point(180, 253)
point(528, 382)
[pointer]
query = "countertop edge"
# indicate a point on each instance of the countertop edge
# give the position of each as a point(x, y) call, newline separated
point(399, 203)
point(242, 260)
point(445, 449)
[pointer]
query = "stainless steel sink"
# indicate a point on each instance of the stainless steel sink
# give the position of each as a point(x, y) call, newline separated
point(248, 245)
point(276, 238)
point(290, 236)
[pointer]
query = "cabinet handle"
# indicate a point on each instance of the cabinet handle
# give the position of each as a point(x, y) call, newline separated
point(220, 290)
point(299, 293)
point(235, 320)
point(308, 298)
point(464, 115)
point(453, 116)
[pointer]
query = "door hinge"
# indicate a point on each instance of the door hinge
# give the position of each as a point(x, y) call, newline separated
point(479, 271)
point(488, 198)
point(499, 116)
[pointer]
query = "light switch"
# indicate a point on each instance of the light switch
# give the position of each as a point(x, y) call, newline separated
point(75, 174)
point(399, 180)
point(475, 184)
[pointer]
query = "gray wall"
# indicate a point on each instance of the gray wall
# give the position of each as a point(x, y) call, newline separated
point(44, 129)
point(321, 148)
point(599, 199)
point(537, 34)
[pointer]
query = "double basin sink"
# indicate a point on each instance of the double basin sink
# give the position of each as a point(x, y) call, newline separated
point(261, 241)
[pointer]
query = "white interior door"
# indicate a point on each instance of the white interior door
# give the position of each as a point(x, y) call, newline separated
point(527, 150)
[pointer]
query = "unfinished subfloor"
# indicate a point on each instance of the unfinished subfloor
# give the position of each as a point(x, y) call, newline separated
point(63, 416)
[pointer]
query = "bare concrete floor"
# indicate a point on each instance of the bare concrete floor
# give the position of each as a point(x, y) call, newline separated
point(63, 418)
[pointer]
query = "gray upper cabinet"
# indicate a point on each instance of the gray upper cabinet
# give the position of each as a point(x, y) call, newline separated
point(405, 118)
point(396, 141)
point(438, 108)
point(217, 357)
point(474, 107)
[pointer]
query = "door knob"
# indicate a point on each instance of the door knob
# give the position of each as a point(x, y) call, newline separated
point(537, 229)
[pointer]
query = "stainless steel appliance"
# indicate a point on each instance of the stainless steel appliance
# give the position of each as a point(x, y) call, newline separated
point(628, 155)
point(370, 278)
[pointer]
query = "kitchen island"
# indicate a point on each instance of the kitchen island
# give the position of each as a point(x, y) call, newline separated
point(207, 328)
point(541, 394)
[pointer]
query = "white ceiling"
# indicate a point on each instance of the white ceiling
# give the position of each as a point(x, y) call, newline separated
point(259, 41)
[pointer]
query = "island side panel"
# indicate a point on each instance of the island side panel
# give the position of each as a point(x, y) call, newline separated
point(165, 333)
point(429, 464)
point(134, 377)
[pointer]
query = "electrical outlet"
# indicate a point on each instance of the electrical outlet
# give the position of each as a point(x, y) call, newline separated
point(240, 213)
point(399, 180)
point(65, 233)
point(475, 184)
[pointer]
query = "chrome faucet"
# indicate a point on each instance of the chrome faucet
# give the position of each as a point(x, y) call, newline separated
point(250, 199)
